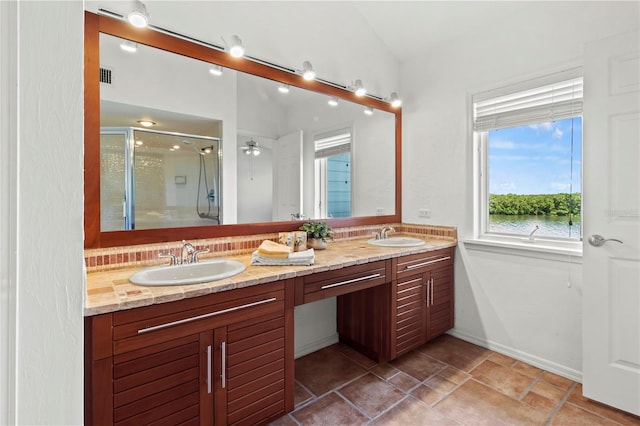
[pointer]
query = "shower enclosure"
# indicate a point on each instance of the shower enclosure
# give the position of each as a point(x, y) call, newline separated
point(157, 179)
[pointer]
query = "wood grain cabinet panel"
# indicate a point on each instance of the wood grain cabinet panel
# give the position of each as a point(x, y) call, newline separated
point(422, 299)
point(218, 359)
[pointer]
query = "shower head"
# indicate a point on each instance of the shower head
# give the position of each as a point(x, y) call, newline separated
point(193, 147)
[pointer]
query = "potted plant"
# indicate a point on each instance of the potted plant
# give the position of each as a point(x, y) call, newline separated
point(317, 234)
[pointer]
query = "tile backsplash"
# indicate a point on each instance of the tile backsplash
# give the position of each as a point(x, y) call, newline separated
point(102, 259)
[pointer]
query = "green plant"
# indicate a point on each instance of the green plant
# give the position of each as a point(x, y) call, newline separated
point(318, 230)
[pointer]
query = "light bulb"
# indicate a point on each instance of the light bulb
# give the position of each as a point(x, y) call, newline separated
point(307, 71)
point(236, 49)
point(216, 70)
point(395, 100)
point(129, 46)
point(333, 101)
point(138, 17)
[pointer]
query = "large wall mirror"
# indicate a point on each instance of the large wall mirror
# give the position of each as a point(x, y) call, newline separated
point(254, 149)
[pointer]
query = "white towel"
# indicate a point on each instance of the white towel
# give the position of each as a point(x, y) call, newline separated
point(306, 257)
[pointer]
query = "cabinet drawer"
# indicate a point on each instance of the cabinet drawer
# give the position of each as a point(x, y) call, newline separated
point(341, 281)
point(153, 324)
point(405, 266)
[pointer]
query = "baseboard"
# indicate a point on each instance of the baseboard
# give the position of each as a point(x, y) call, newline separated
point(316, 345)
point(536, 361)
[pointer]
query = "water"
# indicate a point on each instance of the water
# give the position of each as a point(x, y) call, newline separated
point(550, 226)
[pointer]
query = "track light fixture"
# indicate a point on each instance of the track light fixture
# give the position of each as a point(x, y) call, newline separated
point(333, 101)
point(368, 111)
point(138, 17)
point(283, 88)
point(236, 49)
point(307, 71)
point(216, 70)
point(359, 88)
point(395, 100)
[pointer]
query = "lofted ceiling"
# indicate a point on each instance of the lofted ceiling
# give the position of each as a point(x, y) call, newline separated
point(344, 38)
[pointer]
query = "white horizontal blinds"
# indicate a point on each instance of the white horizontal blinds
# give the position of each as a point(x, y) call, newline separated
point(334, 143)
point(549, 102)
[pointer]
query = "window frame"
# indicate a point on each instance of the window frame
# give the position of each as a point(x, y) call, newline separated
point(320, 169)
point(542, 246)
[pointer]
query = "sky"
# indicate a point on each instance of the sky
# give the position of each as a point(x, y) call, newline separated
point(536, 159)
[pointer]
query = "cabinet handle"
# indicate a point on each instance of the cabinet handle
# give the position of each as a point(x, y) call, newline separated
point(428, 263)
point(431, 292)
point(223, 376)
point(355, 280)
point(209, 369)
point(428, 284)
point(210, 314)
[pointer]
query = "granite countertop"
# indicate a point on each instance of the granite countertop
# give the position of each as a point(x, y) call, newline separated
point(110, 291)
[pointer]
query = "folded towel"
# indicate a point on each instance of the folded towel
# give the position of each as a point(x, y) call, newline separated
point(272, 249)
point(306, 257)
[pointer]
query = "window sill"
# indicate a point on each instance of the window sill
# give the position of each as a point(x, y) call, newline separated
point(562, 251)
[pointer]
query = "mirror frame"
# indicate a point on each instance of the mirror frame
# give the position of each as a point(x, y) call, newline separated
point(94, 238)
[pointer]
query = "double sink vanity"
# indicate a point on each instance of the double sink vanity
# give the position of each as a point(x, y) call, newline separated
point(223, 351)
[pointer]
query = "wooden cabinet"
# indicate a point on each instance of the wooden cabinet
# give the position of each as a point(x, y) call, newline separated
point(362, 293)
point(225, 358)
point(421, 299)
point(322, 285)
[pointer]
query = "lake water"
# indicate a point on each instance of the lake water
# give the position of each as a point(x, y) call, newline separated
point(549, 226)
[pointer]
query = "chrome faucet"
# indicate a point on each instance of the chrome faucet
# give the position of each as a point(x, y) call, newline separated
point(190, 250)
point(197, 253)
point(532, 232)
point(385, 230)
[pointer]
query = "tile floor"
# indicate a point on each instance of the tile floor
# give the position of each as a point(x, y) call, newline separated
point(445, 382)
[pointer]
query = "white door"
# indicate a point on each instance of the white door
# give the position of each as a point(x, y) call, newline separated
point(611, 298)
point(287, 176)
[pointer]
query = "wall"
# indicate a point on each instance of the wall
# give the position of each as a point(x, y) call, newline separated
point(42, 351)
point(255, 182)
point(518, 305)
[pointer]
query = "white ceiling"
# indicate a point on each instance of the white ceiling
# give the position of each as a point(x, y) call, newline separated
point(406, 27)
point(368, 40)
point(410, 28)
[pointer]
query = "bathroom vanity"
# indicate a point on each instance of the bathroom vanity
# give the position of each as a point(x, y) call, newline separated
point(226, 356)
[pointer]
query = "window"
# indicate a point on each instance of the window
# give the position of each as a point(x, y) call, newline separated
point(333, 174)
point(529, 140)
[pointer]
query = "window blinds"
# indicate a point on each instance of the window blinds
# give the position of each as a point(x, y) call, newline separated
point(335, 144)
point(548, 102)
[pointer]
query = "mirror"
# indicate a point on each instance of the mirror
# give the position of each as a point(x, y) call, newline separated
point(315, 161)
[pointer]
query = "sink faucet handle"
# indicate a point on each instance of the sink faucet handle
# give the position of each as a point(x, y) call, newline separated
point(173, 257)
point(199, 252)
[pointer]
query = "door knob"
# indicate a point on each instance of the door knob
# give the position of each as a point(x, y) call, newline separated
point(598, 240)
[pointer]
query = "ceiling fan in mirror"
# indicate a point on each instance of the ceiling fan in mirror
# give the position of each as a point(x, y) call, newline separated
point(252, 148)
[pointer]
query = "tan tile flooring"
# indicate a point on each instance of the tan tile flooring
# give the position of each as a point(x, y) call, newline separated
point(445, 382)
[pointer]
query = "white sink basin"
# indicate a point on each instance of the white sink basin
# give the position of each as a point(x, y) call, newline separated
point(397, 242)
point(193, 273)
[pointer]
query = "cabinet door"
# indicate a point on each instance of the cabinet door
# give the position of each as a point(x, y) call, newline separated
point(439, 301)
point(253, 379)
point(410, 316)
point(162, 383)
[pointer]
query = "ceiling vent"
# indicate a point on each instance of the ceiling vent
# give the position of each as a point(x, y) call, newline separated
point(105, 75)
